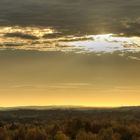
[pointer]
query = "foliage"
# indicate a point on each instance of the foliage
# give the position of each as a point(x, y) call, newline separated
point(70, 125)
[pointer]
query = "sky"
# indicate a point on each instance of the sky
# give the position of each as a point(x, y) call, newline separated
point(69, 52)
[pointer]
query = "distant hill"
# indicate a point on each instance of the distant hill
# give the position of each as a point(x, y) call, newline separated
point(125, 108)
point(49, 114)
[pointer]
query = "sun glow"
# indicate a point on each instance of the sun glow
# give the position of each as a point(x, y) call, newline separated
point(107, 43)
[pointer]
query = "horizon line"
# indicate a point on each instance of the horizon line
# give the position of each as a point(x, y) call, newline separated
point(67, 106)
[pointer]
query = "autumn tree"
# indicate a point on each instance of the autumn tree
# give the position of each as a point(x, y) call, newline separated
point(60, 136)
point(82, 135)
point(4, 134)
point(35, 134)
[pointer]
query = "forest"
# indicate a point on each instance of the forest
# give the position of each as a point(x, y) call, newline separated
point(70, 124)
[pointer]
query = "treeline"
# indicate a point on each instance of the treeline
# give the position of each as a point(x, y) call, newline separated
point(91, 126)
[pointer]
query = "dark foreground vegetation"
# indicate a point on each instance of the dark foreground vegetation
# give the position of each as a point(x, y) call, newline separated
point(70, 124)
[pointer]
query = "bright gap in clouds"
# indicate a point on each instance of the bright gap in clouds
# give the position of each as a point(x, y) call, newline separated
point(107, 43)
point(48, 39)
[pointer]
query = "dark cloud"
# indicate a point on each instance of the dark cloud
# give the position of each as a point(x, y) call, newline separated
point(131, 28)
point(11, 44)
point(21, 35)
point(54, 35)
point(72, 16)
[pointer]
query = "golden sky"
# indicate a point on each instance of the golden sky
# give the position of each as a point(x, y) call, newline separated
point(74, 97)
point(66, 52)
point(59, 78)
